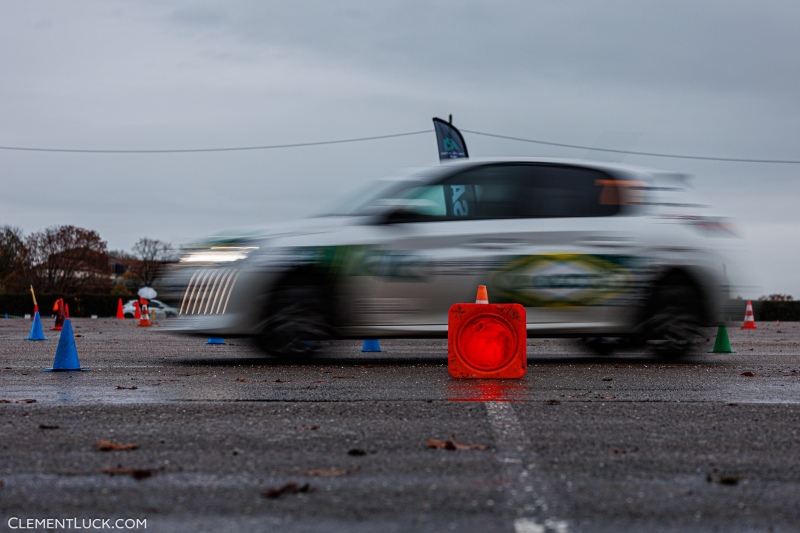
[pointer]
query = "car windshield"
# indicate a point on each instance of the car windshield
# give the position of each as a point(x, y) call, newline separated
point(365, 199)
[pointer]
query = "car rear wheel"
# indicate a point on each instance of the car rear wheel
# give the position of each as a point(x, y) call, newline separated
point(674, 322)
point(602, 345)
point(296, 316)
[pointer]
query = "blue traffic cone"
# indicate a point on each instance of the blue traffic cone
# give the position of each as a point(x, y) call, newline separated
point(371, 345)
point(66, 354)
point(215, 340)
point(37, 333)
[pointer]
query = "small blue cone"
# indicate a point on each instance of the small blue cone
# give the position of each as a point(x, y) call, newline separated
point(37, 333)
point(66, 354)
point(371, 345)
point(215, 340)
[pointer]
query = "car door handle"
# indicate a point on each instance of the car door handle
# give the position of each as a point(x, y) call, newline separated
point(495, 244)
point(605, 241)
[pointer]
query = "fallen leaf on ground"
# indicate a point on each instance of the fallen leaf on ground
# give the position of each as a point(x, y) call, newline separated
point(48, 426)
point(749, 374)
point(552, 402)
point(135, 473)
point(108, 446)
point(624, 451)
point(242, 380)
point(326, 472)
point(343, 377)
point(282, 381)
point(289, 488)
point(120, 387)
point(452, 445)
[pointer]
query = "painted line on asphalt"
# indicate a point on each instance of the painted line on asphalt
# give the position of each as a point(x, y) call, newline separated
point(525, 495)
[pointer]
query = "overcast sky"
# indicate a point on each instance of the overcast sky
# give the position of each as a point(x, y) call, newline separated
point(711, 78)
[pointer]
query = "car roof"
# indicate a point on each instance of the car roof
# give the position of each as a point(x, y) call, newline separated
point(618, 169)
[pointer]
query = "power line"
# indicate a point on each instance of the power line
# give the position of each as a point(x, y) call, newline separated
point(631, 152)
point(231, 149)
point(405, 134)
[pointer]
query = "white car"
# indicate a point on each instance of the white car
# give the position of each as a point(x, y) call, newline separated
point(611, 254)
point(162, 310)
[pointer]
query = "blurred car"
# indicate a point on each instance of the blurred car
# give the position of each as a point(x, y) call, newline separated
point(162, 310)
point(611, 254)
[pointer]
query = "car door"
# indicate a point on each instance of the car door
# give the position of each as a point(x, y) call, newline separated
point(546, 236)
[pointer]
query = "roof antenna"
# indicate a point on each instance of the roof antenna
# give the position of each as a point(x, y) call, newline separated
point(450, 120)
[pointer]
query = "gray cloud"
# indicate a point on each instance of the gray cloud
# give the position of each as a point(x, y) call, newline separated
point(704, 78)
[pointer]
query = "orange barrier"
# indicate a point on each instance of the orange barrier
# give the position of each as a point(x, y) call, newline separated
point(486, 340)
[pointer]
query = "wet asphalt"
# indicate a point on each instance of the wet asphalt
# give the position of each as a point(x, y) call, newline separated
point(220, 438)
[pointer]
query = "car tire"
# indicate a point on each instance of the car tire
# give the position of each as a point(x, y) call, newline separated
point(675, 320)
point(295, 318)
point(128, 315)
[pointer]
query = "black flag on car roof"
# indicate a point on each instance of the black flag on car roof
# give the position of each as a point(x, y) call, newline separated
point(451, 143)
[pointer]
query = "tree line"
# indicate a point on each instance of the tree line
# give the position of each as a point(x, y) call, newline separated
point(72, 260)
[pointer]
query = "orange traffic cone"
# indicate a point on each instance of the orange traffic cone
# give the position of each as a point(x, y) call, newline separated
point(59, 310)
point(749, 320)
point(120, 314)
point(136, 312)
point(482, 297)
point(145, 316)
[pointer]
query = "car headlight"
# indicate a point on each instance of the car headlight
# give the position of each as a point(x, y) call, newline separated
point(218, 254)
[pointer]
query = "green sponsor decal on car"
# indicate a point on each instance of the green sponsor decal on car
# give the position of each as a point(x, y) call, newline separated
point(564, 279)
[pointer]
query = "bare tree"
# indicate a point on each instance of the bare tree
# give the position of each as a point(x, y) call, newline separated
point(67, 260)
point(12, 255)
point(152, 253)
point(778, 298)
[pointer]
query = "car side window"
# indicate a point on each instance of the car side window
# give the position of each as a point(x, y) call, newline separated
point(518, 191)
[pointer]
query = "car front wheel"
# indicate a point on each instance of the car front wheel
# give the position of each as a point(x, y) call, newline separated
point(296, 316)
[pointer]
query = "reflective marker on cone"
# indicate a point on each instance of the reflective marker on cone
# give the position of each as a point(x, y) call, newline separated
point(749, 319)
point(486, 340)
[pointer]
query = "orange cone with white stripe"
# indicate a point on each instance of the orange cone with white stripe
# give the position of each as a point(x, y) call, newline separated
point(482, 297)
point(749, 320)
point(144, 321)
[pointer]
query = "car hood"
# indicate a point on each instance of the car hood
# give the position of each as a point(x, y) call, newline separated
point(255, 234)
